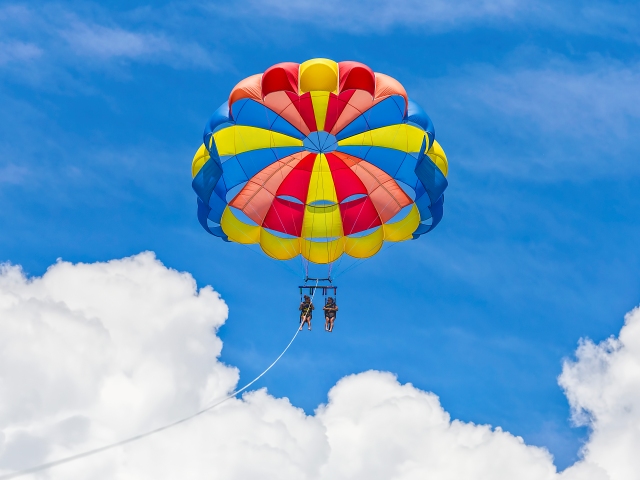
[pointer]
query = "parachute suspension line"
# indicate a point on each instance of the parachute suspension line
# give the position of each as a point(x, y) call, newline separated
point(111, 446)
point(248, 246)
point(360, 261)
point(284, 264)
point(326, 230)
point(387, 246)
point(277, 238)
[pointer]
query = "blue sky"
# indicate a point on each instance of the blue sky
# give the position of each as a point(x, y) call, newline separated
point(537, 107)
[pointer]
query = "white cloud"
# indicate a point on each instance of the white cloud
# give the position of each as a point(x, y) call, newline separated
point(86, 343)
point(93, 353)
point(603, 387)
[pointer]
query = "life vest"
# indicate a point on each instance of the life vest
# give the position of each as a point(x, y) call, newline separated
point(306, 309)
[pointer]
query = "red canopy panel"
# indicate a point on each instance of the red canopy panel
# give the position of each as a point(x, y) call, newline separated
point(359, 103)
point(285, 216)
point(256, 196)
point(305, 108)
point(387, 86)
point(281, 103)
point(385, 193)
point(296, 183)
point(359, 215)
point(337, 104)
point(280, 77)
point(388, 198)
point(258, 205)
point(346, 182)
point(356, 76)
point(247, 88)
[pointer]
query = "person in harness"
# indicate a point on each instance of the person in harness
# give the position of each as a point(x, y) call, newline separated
point(330, 310)
point(306, 312)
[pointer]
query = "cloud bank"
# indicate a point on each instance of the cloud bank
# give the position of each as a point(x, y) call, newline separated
point(93, 353)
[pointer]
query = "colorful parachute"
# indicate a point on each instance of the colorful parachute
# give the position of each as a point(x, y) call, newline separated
point(319, 159)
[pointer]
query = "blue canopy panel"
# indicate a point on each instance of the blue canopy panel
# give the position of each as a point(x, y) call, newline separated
point(249, 112)
point(432, 179)
point(240, 168)
point(218, 120)
point(203, 215)
point(417, 116)
point(221, 189)
point(388, 112)
point(407, 171)
point(389, 160)
point(204, 184)
point(434, 211)
point(431, 185)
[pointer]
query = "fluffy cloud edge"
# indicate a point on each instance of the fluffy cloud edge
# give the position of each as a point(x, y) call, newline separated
point(93, 353)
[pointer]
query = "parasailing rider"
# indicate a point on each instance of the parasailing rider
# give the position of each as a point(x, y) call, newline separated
point(330, 310)
point(306, 311)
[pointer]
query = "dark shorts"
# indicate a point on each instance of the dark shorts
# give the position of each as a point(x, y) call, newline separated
point(330, 314)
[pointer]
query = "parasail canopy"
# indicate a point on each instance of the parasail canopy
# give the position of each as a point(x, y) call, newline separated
point(319, 159)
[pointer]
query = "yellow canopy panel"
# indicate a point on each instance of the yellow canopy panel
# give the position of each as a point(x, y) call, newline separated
point(322, 222)
point(322, 252)
point(200, 158)
point(319, 74)
point(277, 247)
point(402, 230)
point(241, 138)
point(365, 246)
point(403, 137)
point(437, 155)
point(238, 231)
point(320, 101)
point(321, 186)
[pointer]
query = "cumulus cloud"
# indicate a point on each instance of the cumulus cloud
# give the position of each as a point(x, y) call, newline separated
point(86, 349)
point(603, 388)
point(93, 353)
